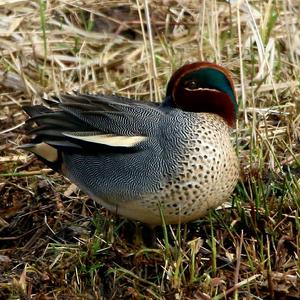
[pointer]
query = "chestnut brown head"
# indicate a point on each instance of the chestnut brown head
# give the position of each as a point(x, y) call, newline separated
point(204, 87)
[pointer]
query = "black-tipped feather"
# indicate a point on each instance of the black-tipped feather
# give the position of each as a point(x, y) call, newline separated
point(36, 110)
point(102, 114)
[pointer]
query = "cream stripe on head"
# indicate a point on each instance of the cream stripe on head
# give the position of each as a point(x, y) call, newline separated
point(108, 139)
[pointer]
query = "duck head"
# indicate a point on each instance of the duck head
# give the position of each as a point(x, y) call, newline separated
point(203, 87)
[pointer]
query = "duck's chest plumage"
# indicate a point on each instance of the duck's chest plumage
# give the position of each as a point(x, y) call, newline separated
point(206, 173)
point(183, 171)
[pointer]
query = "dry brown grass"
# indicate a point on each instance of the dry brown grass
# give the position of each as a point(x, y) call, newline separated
point(54, 244)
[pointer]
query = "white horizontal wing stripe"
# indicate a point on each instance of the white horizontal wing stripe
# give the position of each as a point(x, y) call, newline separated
point(109, 139)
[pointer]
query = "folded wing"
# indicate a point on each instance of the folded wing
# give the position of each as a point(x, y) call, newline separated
point(109, 146)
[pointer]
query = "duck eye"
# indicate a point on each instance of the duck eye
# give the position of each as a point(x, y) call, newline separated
point(191, 85)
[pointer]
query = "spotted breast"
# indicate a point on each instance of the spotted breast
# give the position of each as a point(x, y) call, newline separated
point(206, 173)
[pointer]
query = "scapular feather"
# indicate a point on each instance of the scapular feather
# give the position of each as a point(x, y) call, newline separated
point(107, 139)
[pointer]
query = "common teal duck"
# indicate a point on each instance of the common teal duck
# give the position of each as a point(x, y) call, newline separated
point(143, 160)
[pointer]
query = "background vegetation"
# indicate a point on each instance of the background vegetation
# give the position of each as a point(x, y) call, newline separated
point(55, 243)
